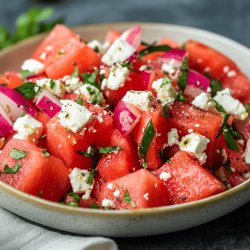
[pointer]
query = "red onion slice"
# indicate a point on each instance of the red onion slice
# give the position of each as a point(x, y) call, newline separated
point(48, 103)
point(133, 36)
point(198, 80)
point(6, 125)
point(175, 54)
point(126, 116)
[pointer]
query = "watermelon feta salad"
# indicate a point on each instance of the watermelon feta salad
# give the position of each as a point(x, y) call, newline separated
point(123, 124)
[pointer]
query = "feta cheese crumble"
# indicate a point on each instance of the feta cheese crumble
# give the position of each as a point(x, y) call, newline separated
point(108, 203)
point(27, 128)
point(87, 91)
point(74, 116)
point(117, 193)
point(141, 99)
point(99, 47)
point(117, 76)
point(166, 93)
point(165, 176)
point(57, 88)
point(247, 152)
point(32, 65)
point(79, 181)
point(230, 104)
point(195, 144)
point(72, 83)
point(145, 196)
point(204, 101)
point(118, 52)
point(173, 137)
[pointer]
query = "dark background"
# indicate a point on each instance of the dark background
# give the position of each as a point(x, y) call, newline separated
point(230, 18)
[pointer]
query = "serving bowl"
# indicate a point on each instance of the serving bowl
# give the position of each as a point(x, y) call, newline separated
point(140, 222)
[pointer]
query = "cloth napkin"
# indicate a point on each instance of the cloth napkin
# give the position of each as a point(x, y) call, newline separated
point(19, 234)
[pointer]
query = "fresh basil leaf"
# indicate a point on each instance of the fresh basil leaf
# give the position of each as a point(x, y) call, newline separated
point(180, 97)
point(27, 90)
point(230, 142)
point(17, 154)
point(128, 199)
point(79, 101)
point(89, 153)
point(215, 86)
point(152, 49)
point(108, 150)
point(219, 107)
point(74, 196)
point(182, 81)
point(94, 206)
point(223, 125)
point(45, 152)
point(149, 134)
point(164, 112)
point(126, 64)
point(8, 170)
point(91, 176)
point(52, 84)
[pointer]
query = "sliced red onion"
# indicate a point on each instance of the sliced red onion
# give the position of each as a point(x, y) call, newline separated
point(198, 80)
point(132, 57)
point(243, 126)
point(15, 104)
point(48, 103)
point(126, 116)
point(33, 78)
point(6, 125)
point(175, 54)
point(133, 36)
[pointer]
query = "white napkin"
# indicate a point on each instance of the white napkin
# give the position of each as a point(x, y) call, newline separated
point(19, 234)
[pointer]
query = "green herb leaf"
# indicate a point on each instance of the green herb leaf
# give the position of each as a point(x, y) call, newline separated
point(74, 196)
point(94, 206)
point(223, 125)
point(17, 154)
point(215, 85)
point(182, 81)
point(52, 84)
point(219, 107)
point(27, 90)
point(108, 150)
point(148, 44)
point(128, 199)
point(79, 101)
point(230, 142)
point(45, 152)
point(152, 49)
point(126, 64)
point(165, 81)
point(8, 170)
point(89, 153)
point(73, 204)
point(247, 107)
point(25, 74)
point(75, 73)
point(40, 193)
point(149, 134)
point(91, 176)
point(164, 112)
point(180, 97)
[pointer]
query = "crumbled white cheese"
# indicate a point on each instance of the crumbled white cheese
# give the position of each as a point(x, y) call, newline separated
point(143, 67)
point(195, 144)
point(224, 155)
point(203, 101)
point(117, 193)
point(74, 116)
point(79, 181)
point(110, 186)
point(104, 83)
point(27, 128)
point(196, 125)
point(190, 130)
point(166, 93)
point(230, 104)
point(108, 203)
point(118, 52)
point(72, 83)
point(145, 196)
point(173, 137)
point(32, 65)
point(99, 47)
point(56, 87)
point(87, 91)
point(117, 76)
point(247, 152)
point(165, 176)
point(141, 99)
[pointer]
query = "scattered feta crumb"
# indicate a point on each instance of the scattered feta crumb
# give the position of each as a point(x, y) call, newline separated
point(195, 144)
point(27, 128)
point(87, 91)
point(141, 99)
point(118, 52)
point(117, 193)
point(204, 102)
point(190, 131)
point(96, 45)
point(143, 67)
point(165, 176)
point(79, 181)
point(224, 155)
point(241, 142)
point(32, 65)
point(108, 203)
point(72, 83)
point(196, 125)
point(74, 116)
point(110, 186)
point(166, 93)
point(173, 137)
point(247, 152)
point(231, 73)
point(145, 196)
point(226, 69)
point(57, 88)
point(230, 104)
point(117, 76)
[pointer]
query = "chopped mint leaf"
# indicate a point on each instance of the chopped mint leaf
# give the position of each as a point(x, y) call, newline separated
point(91, 176)
point(73, 204)
point(230, 142)
point(25, 74)
point(79, 101)
point(27, 90)
point(165, 81)
point(88, 153)
point(8, 170)
point(247, 107)
point(94, 206)
point(45, 152)
point(75, 73)
point(75, 197)
point(180, 97)
point(182, 81)
point(128, 199)
point(152, 49)
point(108, 150)
point(52, 84)
point(17, 154)
point(165, 111)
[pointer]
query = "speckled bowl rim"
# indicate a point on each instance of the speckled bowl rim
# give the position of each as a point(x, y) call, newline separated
point(57, 207)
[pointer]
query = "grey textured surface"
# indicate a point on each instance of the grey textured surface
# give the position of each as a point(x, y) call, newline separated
point(226, 17)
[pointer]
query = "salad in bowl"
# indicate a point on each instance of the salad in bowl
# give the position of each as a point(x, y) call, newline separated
point(124, 124)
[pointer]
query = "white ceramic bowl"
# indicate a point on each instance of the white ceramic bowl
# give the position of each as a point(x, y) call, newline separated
point(127, 223)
